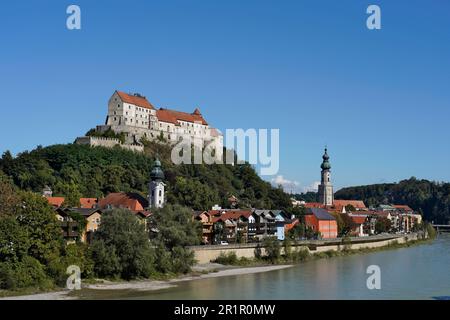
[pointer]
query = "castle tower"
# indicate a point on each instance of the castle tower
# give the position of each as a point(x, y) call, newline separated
point(156, 194)
point(326, 196)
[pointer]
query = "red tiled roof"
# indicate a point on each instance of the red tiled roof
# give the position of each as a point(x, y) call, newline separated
point(358, 219)
point(314, 205)
point(402, 207)
point(131, 201)
point(358, 204)
point(172, 116)
point(136, 100)
point(88, 203)
point(55, 201)
point(233, 215)
point(291, 225)
point(377, 213)
point(215, 132)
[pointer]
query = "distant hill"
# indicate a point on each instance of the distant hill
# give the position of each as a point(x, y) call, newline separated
point(309, 196)
point(430, 198)
point(82, 171)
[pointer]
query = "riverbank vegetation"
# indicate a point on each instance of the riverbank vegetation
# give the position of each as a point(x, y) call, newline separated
point(34, 257)
point(288, 252)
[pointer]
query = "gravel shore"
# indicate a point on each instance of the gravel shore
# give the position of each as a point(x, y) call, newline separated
point(150, 285)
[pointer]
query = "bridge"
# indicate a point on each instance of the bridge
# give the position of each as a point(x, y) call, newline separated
point(442, 227)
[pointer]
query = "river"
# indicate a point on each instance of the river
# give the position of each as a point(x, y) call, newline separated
point(417, 272)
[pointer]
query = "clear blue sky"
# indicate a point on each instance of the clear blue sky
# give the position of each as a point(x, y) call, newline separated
point(379, 99)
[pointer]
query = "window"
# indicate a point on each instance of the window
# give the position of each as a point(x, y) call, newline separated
point(160, 193)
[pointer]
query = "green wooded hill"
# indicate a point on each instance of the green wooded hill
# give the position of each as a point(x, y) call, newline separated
point(430, 198)
point(75, 171)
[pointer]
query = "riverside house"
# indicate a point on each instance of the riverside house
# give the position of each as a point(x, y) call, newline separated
point(239, 225)
point(319, 220)
point(70, 227)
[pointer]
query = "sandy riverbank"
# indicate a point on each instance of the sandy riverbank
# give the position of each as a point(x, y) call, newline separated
point(151, 285)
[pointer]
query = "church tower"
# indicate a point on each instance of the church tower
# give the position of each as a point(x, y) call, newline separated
point(156, 194)
point(326, 196)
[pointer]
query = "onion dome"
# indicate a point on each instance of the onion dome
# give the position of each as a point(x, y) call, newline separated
point(326, 164)
point(157, 173)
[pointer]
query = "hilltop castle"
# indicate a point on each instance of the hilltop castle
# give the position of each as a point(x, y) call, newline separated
point(137, 118)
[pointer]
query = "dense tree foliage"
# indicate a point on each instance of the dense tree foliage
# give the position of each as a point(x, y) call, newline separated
point(121, 247)
point(32, 252)
point(309, 196)
point(107, 134)
point(430, 198)
point(172, 229)
point(73, 171)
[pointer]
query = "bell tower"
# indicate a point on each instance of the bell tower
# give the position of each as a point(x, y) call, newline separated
point(326, 196)
point(156, 188)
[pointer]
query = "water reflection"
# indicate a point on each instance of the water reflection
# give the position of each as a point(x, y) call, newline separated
point(418, 272)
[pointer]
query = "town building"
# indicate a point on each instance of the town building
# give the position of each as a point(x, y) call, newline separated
point(242, 226)
point(124, 200)
point(319, 220)
point(70, 227)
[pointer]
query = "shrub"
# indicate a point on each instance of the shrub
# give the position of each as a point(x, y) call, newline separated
point(301, 254)
point(229, 258)
point(273, 249)
point(27, 273)
point(72, 254)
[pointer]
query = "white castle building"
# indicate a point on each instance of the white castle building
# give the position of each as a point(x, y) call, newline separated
point(137, 118)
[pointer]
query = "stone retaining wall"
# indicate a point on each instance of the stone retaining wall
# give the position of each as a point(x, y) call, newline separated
point(206, 254)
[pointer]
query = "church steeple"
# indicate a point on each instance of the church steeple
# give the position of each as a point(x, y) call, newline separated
point(326, 196)
point(326, 164)
point(156, 188)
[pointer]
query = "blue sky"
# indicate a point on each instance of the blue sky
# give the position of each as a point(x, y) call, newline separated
point(379, 99)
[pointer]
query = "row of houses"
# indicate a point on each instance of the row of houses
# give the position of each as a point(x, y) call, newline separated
point(402, 219)
point(91, 210)
point(242, 225)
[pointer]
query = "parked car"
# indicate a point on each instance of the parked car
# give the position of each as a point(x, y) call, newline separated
point(223, 243)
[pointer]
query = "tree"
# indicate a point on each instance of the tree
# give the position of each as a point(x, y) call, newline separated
point(383, 224)
point(38, 219)
point(345, 223)
point(273, 249)
point(172, 229)
point(175, 227)
point(9, 200)
point(29, 239)
point(14, 240)
point(350, 208)
point(121, 247)
point(72, 196)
